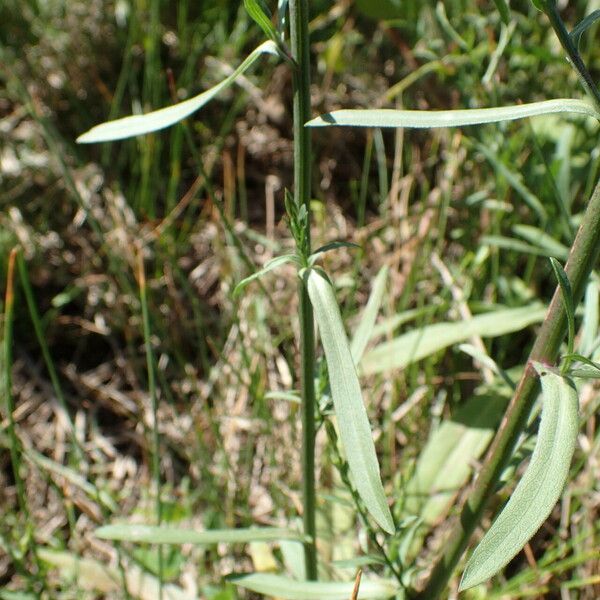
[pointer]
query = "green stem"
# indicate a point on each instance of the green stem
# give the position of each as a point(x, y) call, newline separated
point(302, 159)
point(154, 400)
point(569, 47)
point(582, 258)
point(41, 337)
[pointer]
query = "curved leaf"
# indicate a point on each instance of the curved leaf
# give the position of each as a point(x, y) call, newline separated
point(420, 343)
point(540, 487)
point(165, 117)
point(167, 534)
point(292, 589)
point(583, 26)
point(355, 431)
point(387, 117)
point(269, 266)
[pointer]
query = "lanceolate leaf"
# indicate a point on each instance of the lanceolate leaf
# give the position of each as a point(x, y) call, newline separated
point(541, 485)
point(291, 589)
point(165, 117)
point(269, 266)
point(167, 534)
point(420, 343)
point(353, 422)
point(450, 118)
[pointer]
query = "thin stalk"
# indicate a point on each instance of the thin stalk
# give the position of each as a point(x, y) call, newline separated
point(15, 450)
point(152, 391)
point(569, 47)
point(41, 338)
point(299, 38)
point(582, 258)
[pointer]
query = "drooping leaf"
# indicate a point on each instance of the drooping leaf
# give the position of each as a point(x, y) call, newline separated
point(583, 26)
point(167, 534)
point(165, 117)
point(269, 266)
point(420, 343)
point(330, 246)
point(279, 586)
point(541, 485)
point(386, 117)
point(364, 331)
point(355, 431)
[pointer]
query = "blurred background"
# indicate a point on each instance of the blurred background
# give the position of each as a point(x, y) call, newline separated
point(456, 216)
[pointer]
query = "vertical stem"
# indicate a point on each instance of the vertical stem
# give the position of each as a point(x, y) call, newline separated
point(582, 259)
point(15, 453)
point(562, 34)
point(141, 274)
point(302, 159)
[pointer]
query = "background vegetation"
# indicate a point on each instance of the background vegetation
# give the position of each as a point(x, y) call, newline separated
point(459, 217)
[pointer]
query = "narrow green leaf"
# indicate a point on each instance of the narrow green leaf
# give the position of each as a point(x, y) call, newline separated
point(330, 246)
point(542, 240)
point(583, 26)
point(567, 295)
point(364, 331)
point(257, 10)
point(165, 117)
point(593, 370)
point(167, 534)
point(269, 266)
point(450, 118)
point(420, 343)
point(540, 487)
point(508, 243)
point(504, 10)
point(355, 431)
point(279, 586)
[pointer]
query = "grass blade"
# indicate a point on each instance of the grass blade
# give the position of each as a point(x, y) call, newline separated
point(420, 343)
point(504, 10)
point(165, 117)
point(256, 10)
point(291, 589)
point(450, 118)
point(364, 331)
point(355, 431)
point(167, 534)
point(541, 485)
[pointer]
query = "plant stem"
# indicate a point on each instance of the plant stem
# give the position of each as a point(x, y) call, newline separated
point(141, 276)
point(582, 258)
point(569, 47)
point(302, 159)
